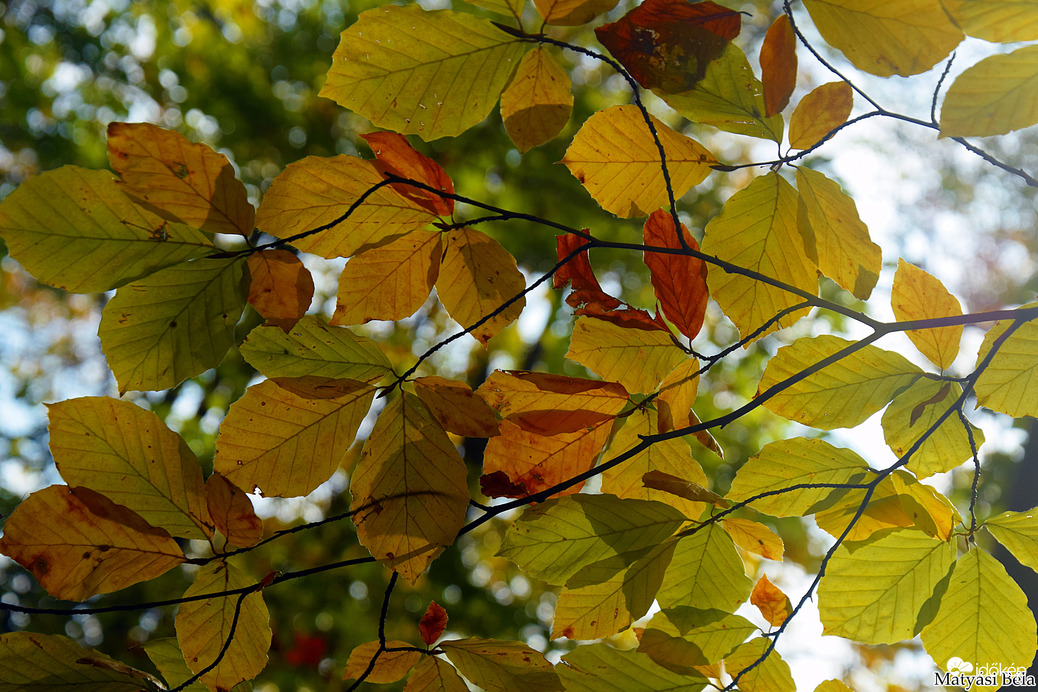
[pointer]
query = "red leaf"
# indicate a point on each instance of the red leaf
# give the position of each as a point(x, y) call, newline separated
point(778, 64)
point(395, 155)
point(667, 44)
point(578, 273)
point(433, 623)
point(678, 280)
point(307, 650)
point(498, 484)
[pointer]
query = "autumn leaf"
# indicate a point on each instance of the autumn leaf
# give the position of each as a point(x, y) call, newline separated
point(390, 666)
point(997, 95)
point(185, 180)
point(165, 653)
point(572, 12)
point(754, 537)
point(604, 668)
point(458, 409)
point(772, 675)
point(509, 8)
point(679, 281)
point(33, 662)
point(433, 623)
point(232, 512)
point(772, 603)
point(1007, 383)
point(281, 288)
point(917, 295)
point(577, 272)
point(778, 63)
point(499, 666)
point(435, 675)
point(678, 392)
point(684, 638)
point(995, 20)
point(395, 155)
point(537, 103)
point(636, 358)
point(819, 113)
point(1018, 532)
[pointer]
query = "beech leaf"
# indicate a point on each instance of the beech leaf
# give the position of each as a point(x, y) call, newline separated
point(537, 104)
point(778, 63)
point(433, 623)
point(281, 288)
point(678, 281)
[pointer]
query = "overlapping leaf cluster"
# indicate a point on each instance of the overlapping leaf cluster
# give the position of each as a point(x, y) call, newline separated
point(904, 559)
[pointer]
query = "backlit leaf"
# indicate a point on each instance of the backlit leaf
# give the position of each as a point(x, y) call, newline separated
point(462, 62)
point(31, 662)
point(284, 443)
point(187, 180)
point(389, 282)
point(997, 95)
point(537, 104)
point(204, 626)
point(983, 616)
point(499, 666)
point(76, 229)
point(602, 668)
point(778, 64)
point(833, 685)
point(819, 113)
point(509, 8)
point(165, 653)
point(931, 511)
point(128, 455)
point(679, 282)
point(885, 38)
point(772, 603)
point(678, 392)
point(874, 592)
point(680, 638)
point(457, 407)
point(757, 229)
point(842, 394)
point(706, 572)
point(477, 276)
point(395, 155)
point(433, 675)
point(409, 489)
point(1018, 532)
point(913, 412)
point(554, 539)
point(281, 288)
point(312, 347)
point(754, 537)
point(232, 512)
point(1010, 382)
point(917, 295)
point(636, 358)
point(572, 12)
point(835, 236)
point(390, 666)
point(1004, 21)
point(174, 324)
point(617, 161)
point(658, 480)
point(78, 543)
point(433, 623)
point(578, 273)
point(772, 675)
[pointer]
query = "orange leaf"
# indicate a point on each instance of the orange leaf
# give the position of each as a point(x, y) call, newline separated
point(395, 155)
point(818, 113)
point(678, 392)
point(390, 666)
point(572, 12)
point(754, 537)
point(281, 288)
point(667, 44)
point(579, 274)
point(552, 404)
point(778, 64)
point(772, 603)
point(679, 281)
point(433, 623)
point(457, 407)
point(232, 512)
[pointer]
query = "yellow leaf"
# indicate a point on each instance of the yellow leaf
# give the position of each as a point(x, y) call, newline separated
point(983, 617)
point(186, 179)
point(772, 675)
point(873, 592)
point(551, 404)
point(76, 229)
point(129, 455)
point(636, 358)
point(390, 666)
point(706, 572)
point(317, 192)
point(685, 639)
point(509, 8)
point(31, 662)
point(913, 412)
point(772, 603)
point(78, 543)
point(389, 282)
point(658, 480)
point(312, 347)
point(390, 49)
point(819, 113)
point(840, 395)
point(281, 288)
point(459, 409)
point(477, 276)
point(833, 685)
point(572, 12)
point(754, 537)
point(616, 160)
point(997, 95)
point(930, 510)
point(1003, 21)
point(678, 392)
point(284, 443)
point(757, 230)
point(602, 668)
point(409, 488)
point(1009, 384)
point(433, 675)
point(917, 295)
point(204, 626)
point(834, 236)
point(887, 38)
point(536, 105)
point(232, 512)
point(1018, 532)
point(175, 324)
point(499, 666)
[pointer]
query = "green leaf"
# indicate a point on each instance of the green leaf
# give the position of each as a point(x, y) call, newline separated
point(129, 455)
point(638, 359)
point(757, 230)
point(175, 324)
point(874, 592)
point(729, 97)
point(31, 662)
point(706, 572)
point(1003, 21)
point(1018, 532)
point(313, 347)
point(509, 8)
point(840, 395)
point(983, 617)
point(997, 95)
point(76, 229)
point(463, 64)
point(165, 653)
point(499, 666)
point(553, 540)
point(682, 637)
point(771, 675)
point(601, 668)
point(788, 463)
point(1009, 384)
point(913, 412)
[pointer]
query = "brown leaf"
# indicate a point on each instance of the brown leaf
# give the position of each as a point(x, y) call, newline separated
point(579, 274)
point(232, 512)
point(778, 64)
point(281, 288)
point(659, 480)
point(679, 281)
point(433, 623)
point(395, 155)
point(457, 407)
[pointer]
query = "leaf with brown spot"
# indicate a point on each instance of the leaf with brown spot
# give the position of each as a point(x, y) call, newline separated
point(281, 288)
point(754, 537)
